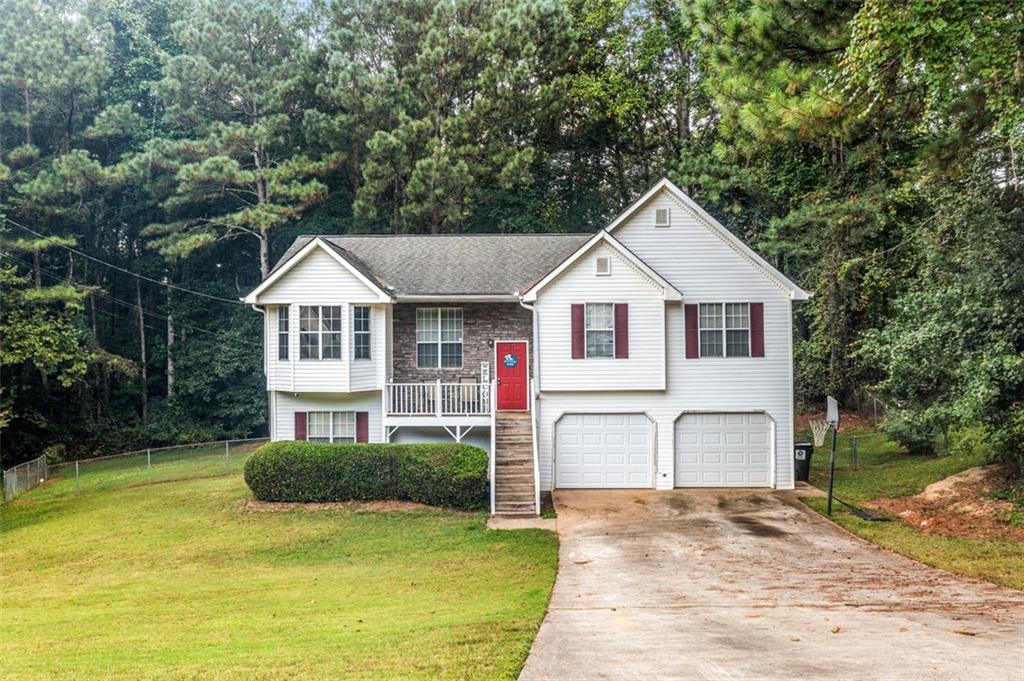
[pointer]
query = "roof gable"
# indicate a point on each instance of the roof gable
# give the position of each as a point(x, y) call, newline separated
point(603, 237)
point(716, 228)
point(348, 262)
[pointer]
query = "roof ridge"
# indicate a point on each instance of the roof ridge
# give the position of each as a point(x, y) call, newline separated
point(435, 236)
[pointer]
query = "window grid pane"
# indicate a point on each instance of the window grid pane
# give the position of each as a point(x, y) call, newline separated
point(451, 325)
point(309, 318)
point(344, 426)
point(737, 316)
point(451, 355)
point(600, 344)
point(427, 325)
point(282, 333)
point(426, 355)
point(737, 343)
point(710, 315)
point(710, 343)
point(361, 332)
point(600, 316)
point(318, 426)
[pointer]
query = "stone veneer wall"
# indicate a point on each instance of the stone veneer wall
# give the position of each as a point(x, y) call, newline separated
point(481, 323)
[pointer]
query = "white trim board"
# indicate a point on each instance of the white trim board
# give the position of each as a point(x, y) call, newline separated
point(669, 291)
point(253, 297)
point(795, 292)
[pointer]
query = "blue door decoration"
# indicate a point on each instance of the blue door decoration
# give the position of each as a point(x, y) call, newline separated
point(510, 360)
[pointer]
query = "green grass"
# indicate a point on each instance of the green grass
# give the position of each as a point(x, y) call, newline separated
point(885, 470)
point(181, 580)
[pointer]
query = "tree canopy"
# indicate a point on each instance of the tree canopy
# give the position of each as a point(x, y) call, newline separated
point(156, 156)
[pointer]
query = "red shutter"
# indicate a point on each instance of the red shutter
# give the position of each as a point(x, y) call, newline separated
point(300, 425)
point(578, 343)
point(757, 329)
point(362, 426)
point(621, 330)
point(692, 334)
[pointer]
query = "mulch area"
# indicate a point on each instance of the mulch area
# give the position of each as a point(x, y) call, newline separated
point(257, 506)
point(958, 506)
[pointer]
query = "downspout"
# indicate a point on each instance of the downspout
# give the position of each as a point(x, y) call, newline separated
point(266, 371)
point(534, 412)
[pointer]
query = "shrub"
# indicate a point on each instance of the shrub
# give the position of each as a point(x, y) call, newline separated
point(439, 474)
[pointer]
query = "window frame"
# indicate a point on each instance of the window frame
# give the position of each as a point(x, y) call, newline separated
point(723, 330)
point(320, 332)
point(283, 319)
point(312, 421)
point(441, 342)
point(587, 330)
point(356, 333)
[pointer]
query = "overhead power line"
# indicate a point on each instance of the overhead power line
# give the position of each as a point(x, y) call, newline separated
point(187, 325)
point(121, 269)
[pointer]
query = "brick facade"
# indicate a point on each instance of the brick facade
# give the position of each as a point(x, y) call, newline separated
point(482, 324)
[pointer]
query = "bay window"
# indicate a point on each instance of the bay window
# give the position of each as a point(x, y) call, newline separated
point(319, 332)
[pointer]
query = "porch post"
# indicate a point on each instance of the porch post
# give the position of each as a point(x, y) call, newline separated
point(437, 398)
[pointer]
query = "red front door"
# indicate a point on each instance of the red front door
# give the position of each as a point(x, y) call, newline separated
point(512, 375)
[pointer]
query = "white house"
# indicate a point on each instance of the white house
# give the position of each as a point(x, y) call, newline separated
point(655, 353)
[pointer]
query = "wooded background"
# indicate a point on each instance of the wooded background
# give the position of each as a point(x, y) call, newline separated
point(156, 156)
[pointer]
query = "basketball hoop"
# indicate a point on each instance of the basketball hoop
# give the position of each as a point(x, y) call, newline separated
point(819, 429)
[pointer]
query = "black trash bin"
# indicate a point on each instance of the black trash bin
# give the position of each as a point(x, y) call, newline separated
point(802, 452)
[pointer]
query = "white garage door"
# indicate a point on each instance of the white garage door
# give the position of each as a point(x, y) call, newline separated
point(723, 450)
point(603, 450)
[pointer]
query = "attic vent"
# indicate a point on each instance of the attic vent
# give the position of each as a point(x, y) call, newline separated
point(604, 266)
point(661, 217)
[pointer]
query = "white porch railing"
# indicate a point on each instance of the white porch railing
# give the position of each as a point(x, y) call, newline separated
point(437, 399)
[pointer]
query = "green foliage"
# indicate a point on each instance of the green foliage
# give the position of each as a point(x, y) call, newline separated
point(442, 474)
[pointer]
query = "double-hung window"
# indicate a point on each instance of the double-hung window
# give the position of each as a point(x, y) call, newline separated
point(331, 426)
point(600, 329)
point(724, 329)
point(361, 332)
point(319, 332)
point(439, 337)
point(282, 332)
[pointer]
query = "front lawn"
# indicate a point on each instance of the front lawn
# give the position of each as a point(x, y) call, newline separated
point(180, 579)
point(884, 471)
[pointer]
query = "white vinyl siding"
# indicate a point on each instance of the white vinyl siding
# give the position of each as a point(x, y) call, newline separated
point(319, 280)
point(285, 404)
point(644, 369)
point(703, 268)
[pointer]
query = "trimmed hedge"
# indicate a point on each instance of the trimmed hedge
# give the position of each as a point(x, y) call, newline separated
point(438, 474)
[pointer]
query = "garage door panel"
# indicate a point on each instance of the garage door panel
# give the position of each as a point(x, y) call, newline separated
point(723, 450)
point(604, 450)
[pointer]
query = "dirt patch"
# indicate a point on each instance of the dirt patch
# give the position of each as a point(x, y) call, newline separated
point(847, 420)
point(756, 527)
point(958, 506)
point(380, 506)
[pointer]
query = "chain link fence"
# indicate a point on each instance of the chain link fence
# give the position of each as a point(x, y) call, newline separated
point(23, 477)
point(129, 469)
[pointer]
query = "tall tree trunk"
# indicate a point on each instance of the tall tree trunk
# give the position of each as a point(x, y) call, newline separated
point(37, 269)
point(264, 255)
point(28, 113)
point(170, 355)
point(142, 352)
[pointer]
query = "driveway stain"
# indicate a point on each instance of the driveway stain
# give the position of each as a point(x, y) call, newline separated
point(756, 527)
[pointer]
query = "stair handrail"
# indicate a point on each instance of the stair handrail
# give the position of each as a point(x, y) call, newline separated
point(494, 422)
point(533, 441)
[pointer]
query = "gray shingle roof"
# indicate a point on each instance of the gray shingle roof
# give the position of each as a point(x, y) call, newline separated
point(450, 264)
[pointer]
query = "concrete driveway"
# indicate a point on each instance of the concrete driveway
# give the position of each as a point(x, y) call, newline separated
point(750, 585)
